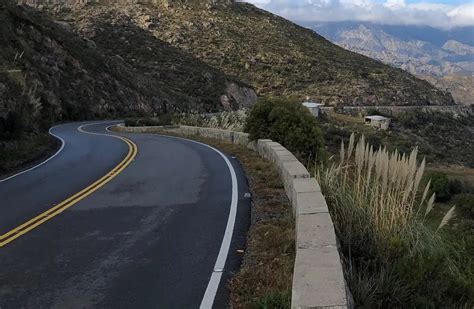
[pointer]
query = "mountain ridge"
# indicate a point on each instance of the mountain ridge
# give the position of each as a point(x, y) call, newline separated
point(275, 56)
point(445, 58)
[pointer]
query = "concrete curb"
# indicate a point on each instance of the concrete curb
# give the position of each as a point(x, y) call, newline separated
point(318, 278)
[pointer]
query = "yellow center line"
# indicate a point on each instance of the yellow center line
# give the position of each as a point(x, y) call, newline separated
point(74, 199)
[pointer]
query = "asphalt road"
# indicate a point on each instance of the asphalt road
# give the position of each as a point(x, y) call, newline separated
point(147, 239)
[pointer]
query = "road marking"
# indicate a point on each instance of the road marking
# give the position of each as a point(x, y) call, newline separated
point(213, 285)
point(69, 202)
point(216, 275)
point(63, 144)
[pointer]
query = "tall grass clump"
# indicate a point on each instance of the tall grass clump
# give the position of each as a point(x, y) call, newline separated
point(392, 257)
point(228, 120)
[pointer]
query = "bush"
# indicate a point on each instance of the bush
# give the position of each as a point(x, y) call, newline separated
point(465, 204)
point(456, 186)
point(440, 185)
point(230, 120)
point(162, 120)
point(289, 123)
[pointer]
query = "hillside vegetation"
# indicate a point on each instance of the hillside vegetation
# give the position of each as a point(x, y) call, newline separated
point(460, 86)
point(48, 74)
point(270, 53)
point(443, 138)
point(399, 249)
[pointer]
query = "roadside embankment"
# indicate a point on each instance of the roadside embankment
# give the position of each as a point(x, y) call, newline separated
point(318, 279)
point(21, 153)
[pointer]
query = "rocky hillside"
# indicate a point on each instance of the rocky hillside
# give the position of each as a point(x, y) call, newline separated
point(460, 86)
point(443, 57)
point(49, 73)
point(270, 53)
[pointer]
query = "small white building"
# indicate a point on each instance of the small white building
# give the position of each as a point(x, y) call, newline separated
point(314, 108)
point(377, 121)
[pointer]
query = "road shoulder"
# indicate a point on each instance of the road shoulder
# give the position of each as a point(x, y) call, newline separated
point(265, 275)
point(21, 154)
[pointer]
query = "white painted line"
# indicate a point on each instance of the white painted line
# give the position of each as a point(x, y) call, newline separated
point(81, 128)
point(63, 144)
point(113, 125)
point(213, 285)
point(211, 291)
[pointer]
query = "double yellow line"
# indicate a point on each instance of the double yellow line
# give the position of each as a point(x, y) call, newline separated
point(56, 210)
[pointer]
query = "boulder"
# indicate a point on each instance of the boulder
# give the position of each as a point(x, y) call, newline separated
point(63, 25)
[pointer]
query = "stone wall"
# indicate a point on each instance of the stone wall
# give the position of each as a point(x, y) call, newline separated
point(395, 110)
point(318, 279)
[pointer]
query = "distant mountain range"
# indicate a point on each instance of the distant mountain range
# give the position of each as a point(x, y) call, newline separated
point(443, 57)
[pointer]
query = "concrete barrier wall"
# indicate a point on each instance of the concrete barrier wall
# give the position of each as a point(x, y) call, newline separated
point(318, 279)
point(153, 129)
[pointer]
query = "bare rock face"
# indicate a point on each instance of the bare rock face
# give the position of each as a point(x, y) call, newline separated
point(64, 25)
point(241, 96)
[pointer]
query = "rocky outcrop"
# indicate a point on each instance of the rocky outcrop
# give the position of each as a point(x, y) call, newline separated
point(238, 96)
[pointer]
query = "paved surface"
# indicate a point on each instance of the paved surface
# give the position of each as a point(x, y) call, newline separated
point(147, 239)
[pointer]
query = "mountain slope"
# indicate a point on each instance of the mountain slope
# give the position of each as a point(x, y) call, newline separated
point(443, 57)
point(420, 50)
point(272, 54)
point(48, 73)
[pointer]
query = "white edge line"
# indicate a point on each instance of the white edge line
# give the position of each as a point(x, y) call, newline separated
point(213, 285)
point(113, 123)
point(216, 275)
point(63, 144)
point(211, 290)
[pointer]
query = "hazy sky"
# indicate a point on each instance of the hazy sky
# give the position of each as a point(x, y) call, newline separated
point(437, 13)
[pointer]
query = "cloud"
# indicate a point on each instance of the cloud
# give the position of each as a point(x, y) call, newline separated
point(396, 12)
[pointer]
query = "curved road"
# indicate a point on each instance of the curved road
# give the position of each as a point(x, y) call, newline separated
point(149, 238)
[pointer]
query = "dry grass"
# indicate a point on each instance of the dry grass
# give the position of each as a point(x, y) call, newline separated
point(345, 119)
point(384, 185)
point(392, 257)
point(231, 120)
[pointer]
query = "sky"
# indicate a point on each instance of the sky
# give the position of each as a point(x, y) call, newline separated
point(443, 14)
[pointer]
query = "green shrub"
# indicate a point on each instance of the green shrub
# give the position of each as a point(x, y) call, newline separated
point(289, 123)
point(456, 186)
point(275, 300)
point(15, 124)
point(440, 185)
point(229, 120)
point(373, 111)
point(162, 120)
point(465, 205)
